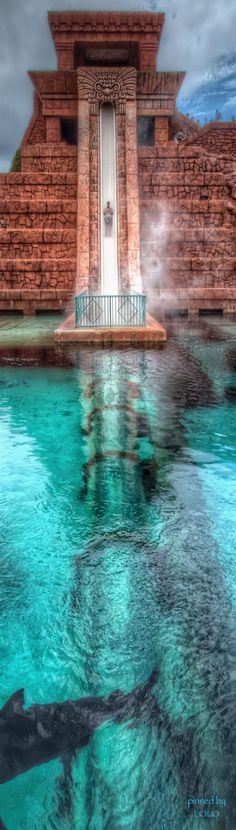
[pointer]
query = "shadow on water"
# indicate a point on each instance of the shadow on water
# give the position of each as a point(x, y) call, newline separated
point(230, 360)
point(142, 586)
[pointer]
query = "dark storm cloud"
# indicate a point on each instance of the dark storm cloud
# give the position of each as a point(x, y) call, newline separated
point(196, 34)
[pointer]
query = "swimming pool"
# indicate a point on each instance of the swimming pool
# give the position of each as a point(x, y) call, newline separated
point(117, 539)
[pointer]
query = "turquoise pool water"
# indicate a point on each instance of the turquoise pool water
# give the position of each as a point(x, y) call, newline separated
point(117, 541)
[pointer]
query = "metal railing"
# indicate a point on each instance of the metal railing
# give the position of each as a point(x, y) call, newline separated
point(110, 310)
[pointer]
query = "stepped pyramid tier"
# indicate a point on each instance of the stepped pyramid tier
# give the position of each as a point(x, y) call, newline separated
point(173, 194)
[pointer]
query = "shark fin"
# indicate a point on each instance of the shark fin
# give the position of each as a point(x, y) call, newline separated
point(14, 704)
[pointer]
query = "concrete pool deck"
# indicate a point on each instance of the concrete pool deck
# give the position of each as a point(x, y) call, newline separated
point(153, 334)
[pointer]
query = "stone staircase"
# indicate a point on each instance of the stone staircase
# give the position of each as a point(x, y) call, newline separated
point(38, 217)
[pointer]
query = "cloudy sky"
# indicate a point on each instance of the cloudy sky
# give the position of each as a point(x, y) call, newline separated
point(198, 36)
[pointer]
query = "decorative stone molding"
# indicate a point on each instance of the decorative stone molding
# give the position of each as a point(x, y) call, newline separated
point(155, 106)
point(77, 22)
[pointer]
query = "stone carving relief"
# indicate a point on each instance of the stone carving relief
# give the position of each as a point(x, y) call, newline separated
point(180, 136)
point(107, 88)
point(112, 85)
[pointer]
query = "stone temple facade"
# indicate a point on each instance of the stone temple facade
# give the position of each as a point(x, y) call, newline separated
point(176, 183)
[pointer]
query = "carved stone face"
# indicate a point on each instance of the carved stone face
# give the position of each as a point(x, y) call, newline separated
point(107, 89)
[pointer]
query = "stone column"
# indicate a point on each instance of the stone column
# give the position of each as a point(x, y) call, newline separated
point(65, 55)
point(135, 283)
point(82, 277)
point(161, 130)
point(94, 214)
point(52, 129)
point(122, 236)
point(148, 54)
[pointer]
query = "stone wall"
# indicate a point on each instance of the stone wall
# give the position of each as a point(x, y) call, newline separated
point(36, 130)
point(38, 217)
point(51, 158)
point(188, 218)
point(218, 137)
point(187, 202)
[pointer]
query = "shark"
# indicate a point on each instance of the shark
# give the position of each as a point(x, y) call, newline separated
point(42, 732)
